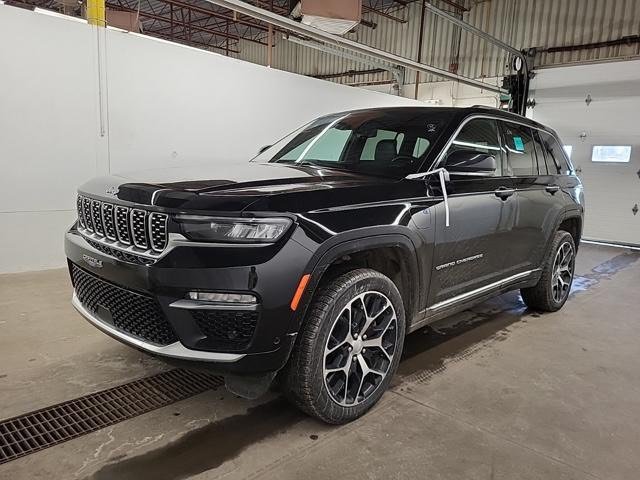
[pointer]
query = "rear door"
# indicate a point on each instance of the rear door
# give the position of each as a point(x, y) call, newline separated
point(537, 205)
point(470, 252)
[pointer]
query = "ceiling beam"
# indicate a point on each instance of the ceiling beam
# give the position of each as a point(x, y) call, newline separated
point(350, 45)
point(175, 21)
point(213, 13)
point(367, 9)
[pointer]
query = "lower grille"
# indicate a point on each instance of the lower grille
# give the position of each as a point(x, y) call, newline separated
point(227, 330)
point(133, 313)
point(119, 254)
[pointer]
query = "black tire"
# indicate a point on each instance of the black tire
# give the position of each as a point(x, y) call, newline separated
point(550, 294)
point(303, 379)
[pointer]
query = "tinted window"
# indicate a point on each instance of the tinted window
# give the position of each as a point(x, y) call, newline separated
point(393, 142)
point(420, 147)
point(479, 135)
point(521, 155)
point(555, 155)
point(542, 166)
point(372, 144)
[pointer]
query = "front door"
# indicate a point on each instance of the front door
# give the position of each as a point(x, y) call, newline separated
point(470, 253)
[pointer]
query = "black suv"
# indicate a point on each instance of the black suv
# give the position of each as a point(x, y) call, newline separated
point(315, 259)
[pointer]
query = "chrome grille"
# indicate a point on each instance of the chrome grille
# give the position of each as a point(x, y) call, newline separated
point(131, 230)
point(138, 228)
point(158, 231)
point(96, 216)
point(109, 221)
point(122, 225)
point(80, 213)
point(86, 213)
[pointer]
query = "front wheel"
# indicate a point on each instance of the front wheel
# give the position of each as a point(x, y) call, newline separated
point(552, 290)
point(348, 348)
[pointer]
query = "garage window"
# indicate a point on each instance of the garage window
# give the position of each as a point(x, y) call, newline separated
point(611, 153)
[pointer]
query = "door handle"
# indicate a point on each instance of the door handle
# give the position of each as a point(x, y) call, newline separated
point(504, 192)
point(552, 189)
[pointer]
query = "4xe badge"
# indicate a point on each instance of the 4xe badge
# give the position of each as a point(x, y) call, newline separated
point(92, 262)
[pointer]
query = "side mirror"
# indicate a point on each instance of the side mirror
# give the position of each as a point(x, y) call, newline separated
point(470, 161)
point(264, 149)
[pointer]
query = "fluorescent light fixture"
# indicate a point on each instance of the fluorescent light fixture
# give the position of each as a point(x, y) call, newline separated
point(335, 26)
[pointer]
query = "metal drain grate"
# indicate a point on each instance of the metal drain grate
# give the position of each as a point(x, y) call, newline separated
point(34, 431)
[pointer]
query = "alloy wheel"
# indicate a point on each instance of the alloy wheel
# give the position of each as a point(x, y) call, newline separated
point(563, 265)
point(360, 348)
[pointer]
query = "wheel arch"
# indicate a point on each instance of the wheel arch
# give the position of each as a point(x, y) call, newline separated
point(572, 222)
point(381, 252)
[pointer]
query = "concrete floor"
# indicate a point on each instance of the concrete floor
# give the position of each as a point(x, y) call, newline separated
point(497, 392)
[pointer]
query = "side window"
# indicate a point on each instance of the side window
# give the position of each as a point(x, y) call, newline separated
point(521, 156)
point(542, 165)
point(420, 147)
point(556, 160)
point(371, 145)
point(480, 136)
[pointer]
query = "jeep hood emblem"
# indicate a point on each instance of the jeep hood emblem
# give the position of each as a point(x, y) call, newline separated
point(112, 191)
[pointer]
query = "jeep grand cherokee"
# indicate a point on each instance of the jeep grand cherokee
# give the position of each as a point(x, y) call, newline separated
point(315, 259)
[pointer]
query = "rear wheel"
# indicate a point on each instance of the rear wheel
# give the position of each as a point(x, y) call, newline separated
point(552, 290)
point(348, 348)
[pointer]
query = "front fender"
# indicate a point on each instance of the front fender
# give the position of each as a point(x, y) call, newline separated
point(357, 241)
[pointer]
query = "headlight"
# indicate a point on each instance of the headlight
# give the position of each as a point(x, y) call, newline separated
point(236, 230)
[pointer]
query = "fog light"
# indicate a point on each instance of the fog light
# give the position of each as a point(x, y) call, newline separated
point(223, 297)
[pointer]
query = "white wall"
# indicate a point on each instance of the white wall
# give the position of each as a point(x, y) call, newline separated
point(47, 133)
point(447, 93)
point(611, 190)
point(166, 105)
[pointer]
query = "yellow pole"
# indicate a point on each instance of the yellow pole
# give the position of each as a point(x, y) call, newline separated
point(96, 13)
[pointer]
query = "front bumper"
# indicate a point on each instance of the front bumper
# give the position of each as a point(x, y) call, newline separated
point(271, 274)
point(174, 350)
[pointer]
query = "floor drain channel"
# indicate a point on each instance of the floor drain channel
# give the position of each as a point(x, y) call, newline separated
point(34, 431)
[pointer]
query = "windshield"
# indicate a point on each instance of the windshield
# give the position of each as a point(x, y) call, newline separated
point(379, 142)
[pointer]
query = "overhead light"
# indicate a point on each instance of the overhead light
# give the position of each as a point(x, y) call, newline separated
point(332, 16)
point(335, 26)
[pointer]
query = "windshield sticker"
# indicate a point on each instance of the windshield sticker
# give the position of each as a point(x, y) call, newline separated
point(518, 143)
point(431, 127)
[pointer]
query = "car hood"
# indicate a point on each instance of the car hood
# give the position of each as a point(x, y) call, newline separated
point(234, 186)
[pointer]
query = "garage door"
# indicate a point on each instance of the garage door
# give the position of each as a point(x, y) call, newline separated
point(596, 110)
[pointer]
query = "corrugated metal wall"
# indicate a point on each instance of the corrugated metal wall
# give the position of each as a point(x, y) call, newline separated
point(521, 23)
